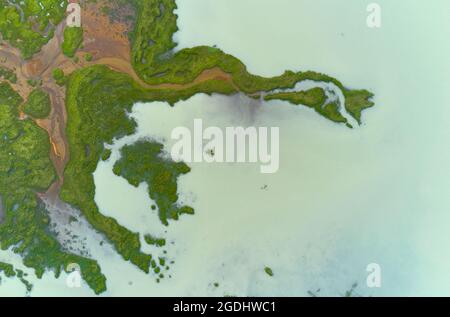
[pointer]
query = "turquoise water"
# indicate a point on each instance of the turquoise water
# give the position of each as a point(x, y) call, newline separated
point(342, 198)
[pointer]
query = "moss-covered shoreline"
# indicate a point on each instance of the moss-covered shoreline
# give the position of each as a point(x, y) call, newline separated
point(156, 62)
point(25, 170)
point(97, 102)
point(38, 104)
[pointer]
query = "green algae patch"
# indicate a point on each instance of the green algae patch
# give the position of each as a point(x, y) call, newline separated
point(29, 25)
point(88, 57)
point(313, 98)
point(151, 240)
point(7, 269)
point(73, 38)
point(10, 271)
point(59, 76)
point(38, 105)
point(268, 271)
point(144, 162)
point(7, 74)
point(356, 101)
point(98, 100)
point(34, 82)
point(25, 170)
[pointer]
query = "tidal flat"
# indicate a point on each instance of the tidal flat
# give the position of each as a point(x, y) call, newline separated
point(342, 199)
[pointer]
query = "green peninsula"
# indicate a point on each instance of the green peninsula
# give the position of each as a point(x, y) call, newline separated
point(38, 105)
point(73, 38)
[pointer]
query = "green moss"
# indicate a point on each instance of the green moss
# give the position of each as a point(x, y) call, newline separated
point(7, 269)
point(144, 162)
point(38, 105)
point(352, 291)
point(59, 77)
point(73, 38)
point(331, 112)
point(34, 82)
point(28, 25)
point(313, 98)
point(268, 271)
point(8, 74)
point(96, 101)
point(155, 61)
point(26, 169)
point(88, 57)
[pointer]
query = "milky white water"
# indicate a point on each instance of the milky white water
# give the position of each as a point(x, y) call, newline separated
point(342, 198)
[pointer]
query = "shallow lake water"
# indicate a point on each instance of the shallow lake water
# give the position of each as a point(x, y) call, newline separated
point(342, 199)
